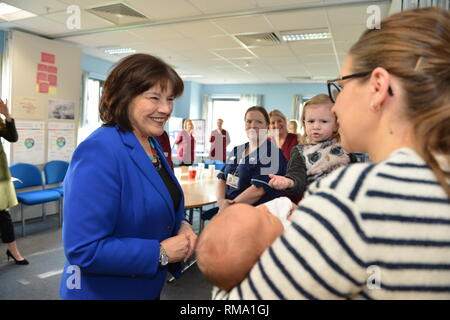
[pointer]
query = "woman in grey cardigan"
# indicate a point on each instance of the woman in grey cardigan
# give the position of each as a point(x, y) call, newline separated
point(7, 193)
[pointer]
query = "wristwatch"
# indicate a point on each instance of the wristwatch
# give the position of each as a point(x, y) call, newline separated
point(163, 257)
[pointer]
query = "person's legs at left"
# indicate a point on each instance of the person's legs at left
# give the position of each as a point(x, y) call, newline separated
point(7, 232)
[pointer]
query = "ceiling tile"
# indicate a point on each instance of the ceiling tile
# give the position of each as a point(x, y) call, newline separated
point(117, 38)
point(275, 3)
point(318, 58)
point(199, 29)
point(272, 51)
point(298, 20)
point(157, 33)
point(209, 7)
point(87, 4)
point(347, 32)
point(233, 53)
point(41, 25)
point(329, 70)
point(311, 47)
point(164, 10)
point(354, 15)
point(225, 42)
point(87, 20)
point(343, 46)
point(242, 25)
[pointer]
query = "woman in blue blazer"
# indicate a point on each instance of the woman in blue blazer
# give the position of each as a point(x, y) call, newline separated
point(124, 221)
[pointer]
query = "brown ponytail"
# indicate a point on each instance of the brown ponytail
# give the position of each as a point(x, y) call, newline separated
point(415, 47)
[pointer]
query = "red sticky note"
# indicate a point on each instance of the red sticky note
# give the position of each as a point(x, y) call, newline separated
point(47, 57)
point(43, 87)
point(42, 67)
point(41, 77)
point(52, 69)
point(52, 80)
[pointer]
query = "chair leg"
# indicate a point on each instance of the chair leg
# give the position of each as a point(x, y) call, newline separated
point(202, 224)
point(191, 215)
point(23, 220)
point(60, 212)
point(43, 212)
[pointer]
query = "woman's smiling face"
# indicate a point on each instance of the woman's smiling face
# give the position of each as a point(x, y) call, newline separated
point(149, 111)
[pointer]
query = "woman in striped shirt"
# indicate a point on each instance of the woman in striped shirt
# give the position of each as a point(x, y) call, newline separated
point(376, 230)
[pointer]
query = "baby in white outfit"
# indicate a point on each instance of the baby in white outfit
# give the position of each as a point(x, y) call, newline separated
point(235, 238)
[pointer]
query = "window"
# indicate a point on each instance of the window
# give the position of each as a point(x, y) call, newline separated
point(232, 112)
point(90, 118)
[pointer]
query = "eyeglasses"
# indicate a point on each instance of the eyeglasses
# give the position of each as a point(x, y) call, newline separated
point(334, 88)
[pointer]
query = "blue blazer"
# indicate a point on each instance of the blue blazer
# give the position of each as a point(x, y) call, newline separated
point(116, 212)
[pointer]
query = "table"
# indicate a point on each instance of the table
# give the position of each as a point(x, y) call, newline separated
point(198, 193)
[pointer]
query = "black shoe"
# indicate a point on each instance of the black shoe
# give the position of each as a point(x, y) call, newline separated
point(19, 262)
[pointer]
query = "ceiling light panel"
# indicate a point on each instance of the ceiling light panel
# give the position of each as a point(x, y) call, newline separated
point(119, 50)
point(311, 34)
point(11, 13)
point(39, 7)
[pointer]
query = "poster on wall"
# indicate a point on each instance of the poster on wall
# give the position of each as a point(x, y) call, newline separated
point(46, 75)
point(61, 141)
point(61, 109)
point(199, 134)
point(27, 108)
point(30, 148)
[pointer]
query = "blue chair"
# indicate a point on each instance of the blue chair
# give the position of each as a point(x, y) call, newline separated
point(54, 172)
point(219, 165)
point(31, 176)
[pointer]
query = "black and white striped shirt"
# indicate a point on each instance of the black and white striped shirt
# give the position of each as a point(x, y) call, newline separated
point(366, 231)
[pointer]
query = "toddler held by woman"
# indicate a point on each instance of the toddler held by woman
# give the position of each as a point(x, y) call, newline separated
point(320, 151)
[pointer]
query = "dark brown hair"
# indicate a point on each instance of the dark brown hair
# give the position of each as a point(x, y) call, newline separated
point(415, 47)
point(132, 76)
point(259, 109)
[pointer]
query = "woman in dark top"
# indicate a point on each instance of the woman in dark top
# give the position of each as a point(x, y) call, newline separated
point(219, 140)
point(7, 193)
point(124, 222)
point(245, 177)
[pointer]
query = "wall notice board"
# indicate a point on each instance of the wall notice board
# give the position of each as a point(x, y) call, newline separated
point(44, 78)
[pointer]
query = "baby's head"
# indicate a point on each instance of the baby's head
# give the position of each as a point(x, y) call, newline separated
point(318, 120)
point(232, 242)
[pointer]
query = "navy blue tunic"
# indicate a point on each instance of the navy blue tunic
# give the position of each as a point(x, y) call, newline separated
point(254, 169)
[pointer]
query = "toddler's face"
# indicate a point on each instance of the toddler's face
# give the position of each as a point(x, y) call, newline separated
point(320, 123)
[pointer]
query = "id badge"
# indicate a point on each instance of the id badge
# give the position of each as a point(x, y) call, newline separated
point(232, 181)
